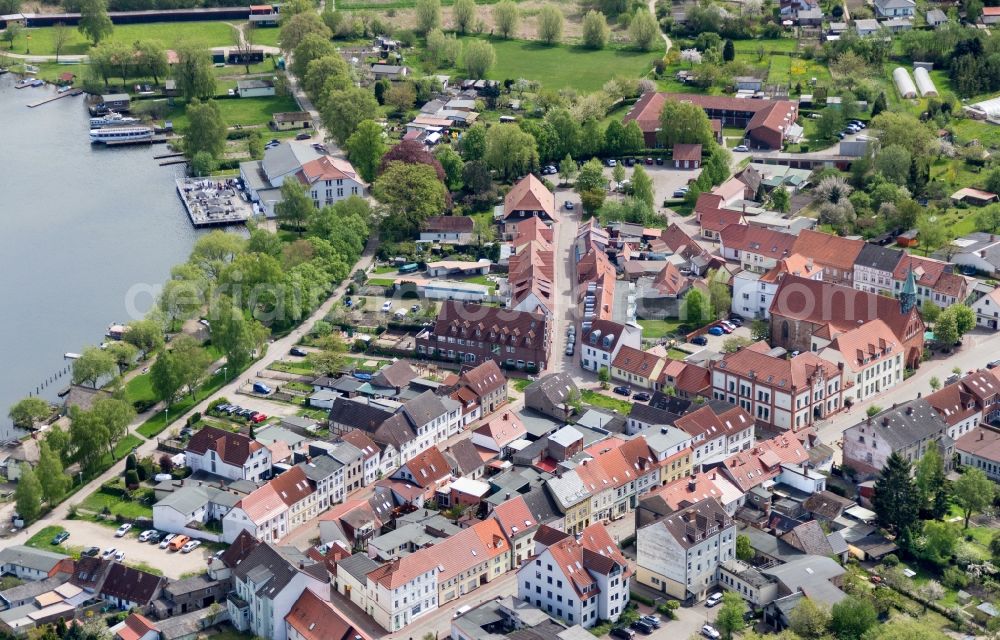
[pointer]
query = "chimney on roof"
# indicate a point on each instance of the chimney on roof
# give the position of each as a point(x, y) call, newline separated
point(692, 484)
point(885, 421)
point(302, 565)
point(507, 496)
point(919, 393)
point(909, 411)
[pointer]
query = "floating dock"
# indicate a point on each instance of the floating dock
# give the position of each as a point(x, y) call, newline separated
point(59, 96)
point(213, 202)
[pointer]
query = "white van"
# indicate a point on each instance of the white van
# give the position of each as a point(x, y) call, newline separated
point(461, 611)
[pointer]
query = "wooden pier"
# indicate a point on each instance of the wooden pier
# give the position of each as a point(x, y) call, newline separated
point(151, 140)
point(59, 96)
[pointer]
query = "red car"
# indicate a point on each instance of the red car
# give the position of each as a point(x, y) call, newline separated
point(257, 419)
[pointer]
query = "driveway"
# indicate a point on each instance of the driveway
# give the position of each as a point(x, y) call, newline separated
point(715, 342)
point(84, 533)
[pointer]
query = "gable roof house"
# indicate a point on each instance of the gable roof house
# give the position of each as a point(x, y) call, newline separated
point(447, 230)
point(230, 455)
point(28, 563)
point(600, 344)
point(806, 315)
point(871, 358)
point(528, 198)
point(717, 434)
point(874, 268)
point(480, 390)
point(135, 627)
point(895, 8)
point(272, 511)
point(757, 249)
point(427, 470)
point(550, 395)
point(907, 429)
point(266, 585)
point(130, 588)
point(762, 464)
point(834, 254)
point(636, 367)
point(933, 280)
point(313, 618)
point(499, 432)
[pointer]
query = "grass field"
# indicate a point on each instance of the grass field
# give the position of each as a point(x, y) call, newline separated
point(98, 501)
point(43, 538)
point(266, 36)
point(201, 34)
point(158, 422)
point(244, 111)
point(659, 328)
point(605, 402)
point(139, 388)
point(520, 383)
point(562, 66)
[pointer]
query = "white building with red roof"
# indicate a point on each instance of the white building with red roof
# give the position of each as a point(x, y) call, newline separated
point(716, 435)
point(273, 510)
point(230, 455)
point(761, 464)
point(499, 432)
point(754, 292)
point(135, 627)
point(872, 358)
point(579, 580)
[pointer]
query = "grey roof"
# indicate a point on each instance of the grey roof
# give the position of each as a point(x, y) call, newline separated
point(387, 68)
point(269, 570)
point(253, 172)
point(359, 565)
point(184, 586)
point(397, 374)
point(345, 453)
point(895, 4)
point(324, 394)
point(359, 415)
point(424, 408)
point(298, 422)
point(809, 537)
point(24, 556)
point(395, 431)
point(287, 157)
point(538, 425)
point(30, 589)
point(554, 388)
point(867, 24)
point(465, 456)
point(541, 505)
point(837, 543)
point(566, 436)
point(665, 438)
point(273, 433)
point(812, 575)
point(936, 15)
point(258, 83)
point(901, 428)
point(567, 490)
point(876, 257)
point(704, 512)
point(115, 97)
point(190, 498)
point(651, 415)
point(321, 467)
point(811, 14)
point(597, 419)
point(769, 545)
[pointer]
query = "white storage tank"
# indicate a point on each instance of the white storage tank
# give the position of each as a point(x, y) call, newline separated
point(924, 83)
point(903, 82)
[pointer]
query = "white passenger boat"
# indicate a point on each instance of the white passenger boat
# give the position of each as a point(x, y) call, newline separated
point(111, 119)
point(121, 134)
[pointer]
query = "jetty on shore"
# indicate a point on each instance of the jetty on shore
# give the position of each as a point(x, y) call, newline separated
point(213, 202)
point(58, 96)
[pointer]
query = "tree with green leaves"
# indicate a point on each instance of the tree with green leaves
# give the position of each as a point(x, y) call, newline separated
point(510, 151)
point(595, 30)
point(428, 15)
point(634, 141)
point(730, 617)
point(644, 31)
point(442, 50)
point(931, 484)
point(410, 194)
point(760, 329)
point(604, 376)
point(94, 23)
point(851, 618)
point(695, 308)
point(192, 360)
point(550, 24)
point(296, 27)
point(93, 365)
point(28, 494)
point(618, 174)
point(87, 436)
point(809, 620)
point(831, 122)
point(567, 169)
point(203, 164)
point(145, 335)
point(193, 73)
point(239, 336)
point(26, 412)
point(311, 48)
point(932, 234)
point(684, 122)
point(642, 187)
point(591, 177)
point(893, 162)
point(478, 57)
point(473, 144)
point(937, 544)
point(879, 105)
point(744, 551)
point(206, 130)
point(11, 33)
point(54, 482)
point(506, 16)
point(452, 164)
point(295, 206)
point(463, 15)
point(346, 109)
point(366, 147)
point(165, 377)
point(781, 200)
point(896, 502)
point(946, 329)
point(965, 318)
point(115, 415)
point(60, 37)
point(150, 59)
point(973, 492)
point(124, 354)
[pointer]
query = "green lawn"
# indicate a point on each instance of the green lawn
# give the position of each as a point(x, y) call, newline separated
point(244, 111)
point(659, 328)
point(98, 501)
point(204, 35)
point(266, 36)
point(158, 422)
point(560, 66)
point(780, 45)
point(139, 388)
point(520, 383)
point(43, 538)
point(605, 402)
point(677, 354)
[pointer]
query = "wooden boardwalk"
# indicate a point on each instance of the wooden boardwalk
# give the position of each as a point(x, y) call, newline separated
point(58, 96)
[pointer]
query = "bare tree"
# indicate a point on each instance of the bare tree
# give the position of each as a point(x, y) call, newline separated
point(60, 37)
point(244, 43)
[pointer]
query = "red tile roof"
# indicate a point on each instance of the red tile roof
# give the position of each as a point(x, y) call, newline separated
point(514, 517)
point(315, 619)
point(232, 448)
point(136, 626)
point(758, 240)
point(748, 469)
point(503, 428)
point(953, 404)
point(704, 422)
point(718, 219)
point(982, 442)
point(595, 552)
point(428, 467)
point(279, 493)
point(828, 250)
point(873, 341)
point(688, 152)
point(670, 281)
point(530, 195)
point(638, 362)
point(780, 372)
point(361, 440)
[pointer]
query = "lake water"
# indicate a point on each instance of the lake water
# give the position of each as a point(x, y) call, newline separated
point(82, 229)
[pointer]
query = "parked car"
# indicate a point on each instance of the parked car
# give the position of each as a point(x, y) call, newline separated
point(260, 417)
point(303, 136)
point(642, 396)
point(90, 552)
point(629, 162)
point(177, 543)
point(659, 160)
point(60, 537)
point(386, 305)
point(952, 379)
point(652, 619)
point(741, 148)
point(167, 540)
point(642, 627)
point(348, 303)
point(612, 162)
point(155, 537)
point(146, 535)
point(716, 331)
point(623, 633)
point(680, 193)
point(701, 341)
point(298, 351)
point(122, 530)
point(110, 551)
point(709, 632)
point(190, 546)
point(120, 556)
point(260, 387)
point(649, 161)
point(569, 349)
point(713, 600)
point(568, 206)
point(622, 390)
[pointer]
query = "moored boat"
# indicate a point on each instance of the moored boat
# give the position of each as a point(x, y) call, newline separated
point(121, 134)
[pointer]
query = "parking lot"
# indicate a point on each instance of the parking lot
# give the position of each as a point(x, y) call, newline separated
point(665, 178)
point(84, 533)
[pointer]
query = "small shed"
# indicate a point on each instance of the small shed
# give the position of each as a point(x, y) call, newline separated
point(116, 101)
point(975, 197)
point(908, 238)
point(67, 78)
point(257, 88)
point(285, 120)
point(389, 71)
point(687, 156)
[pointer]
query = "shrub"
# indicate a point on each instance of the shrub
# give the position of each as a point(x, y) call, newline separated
point(196, 418)
point(954, 578)
point(635, 597)
point(891, 560)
